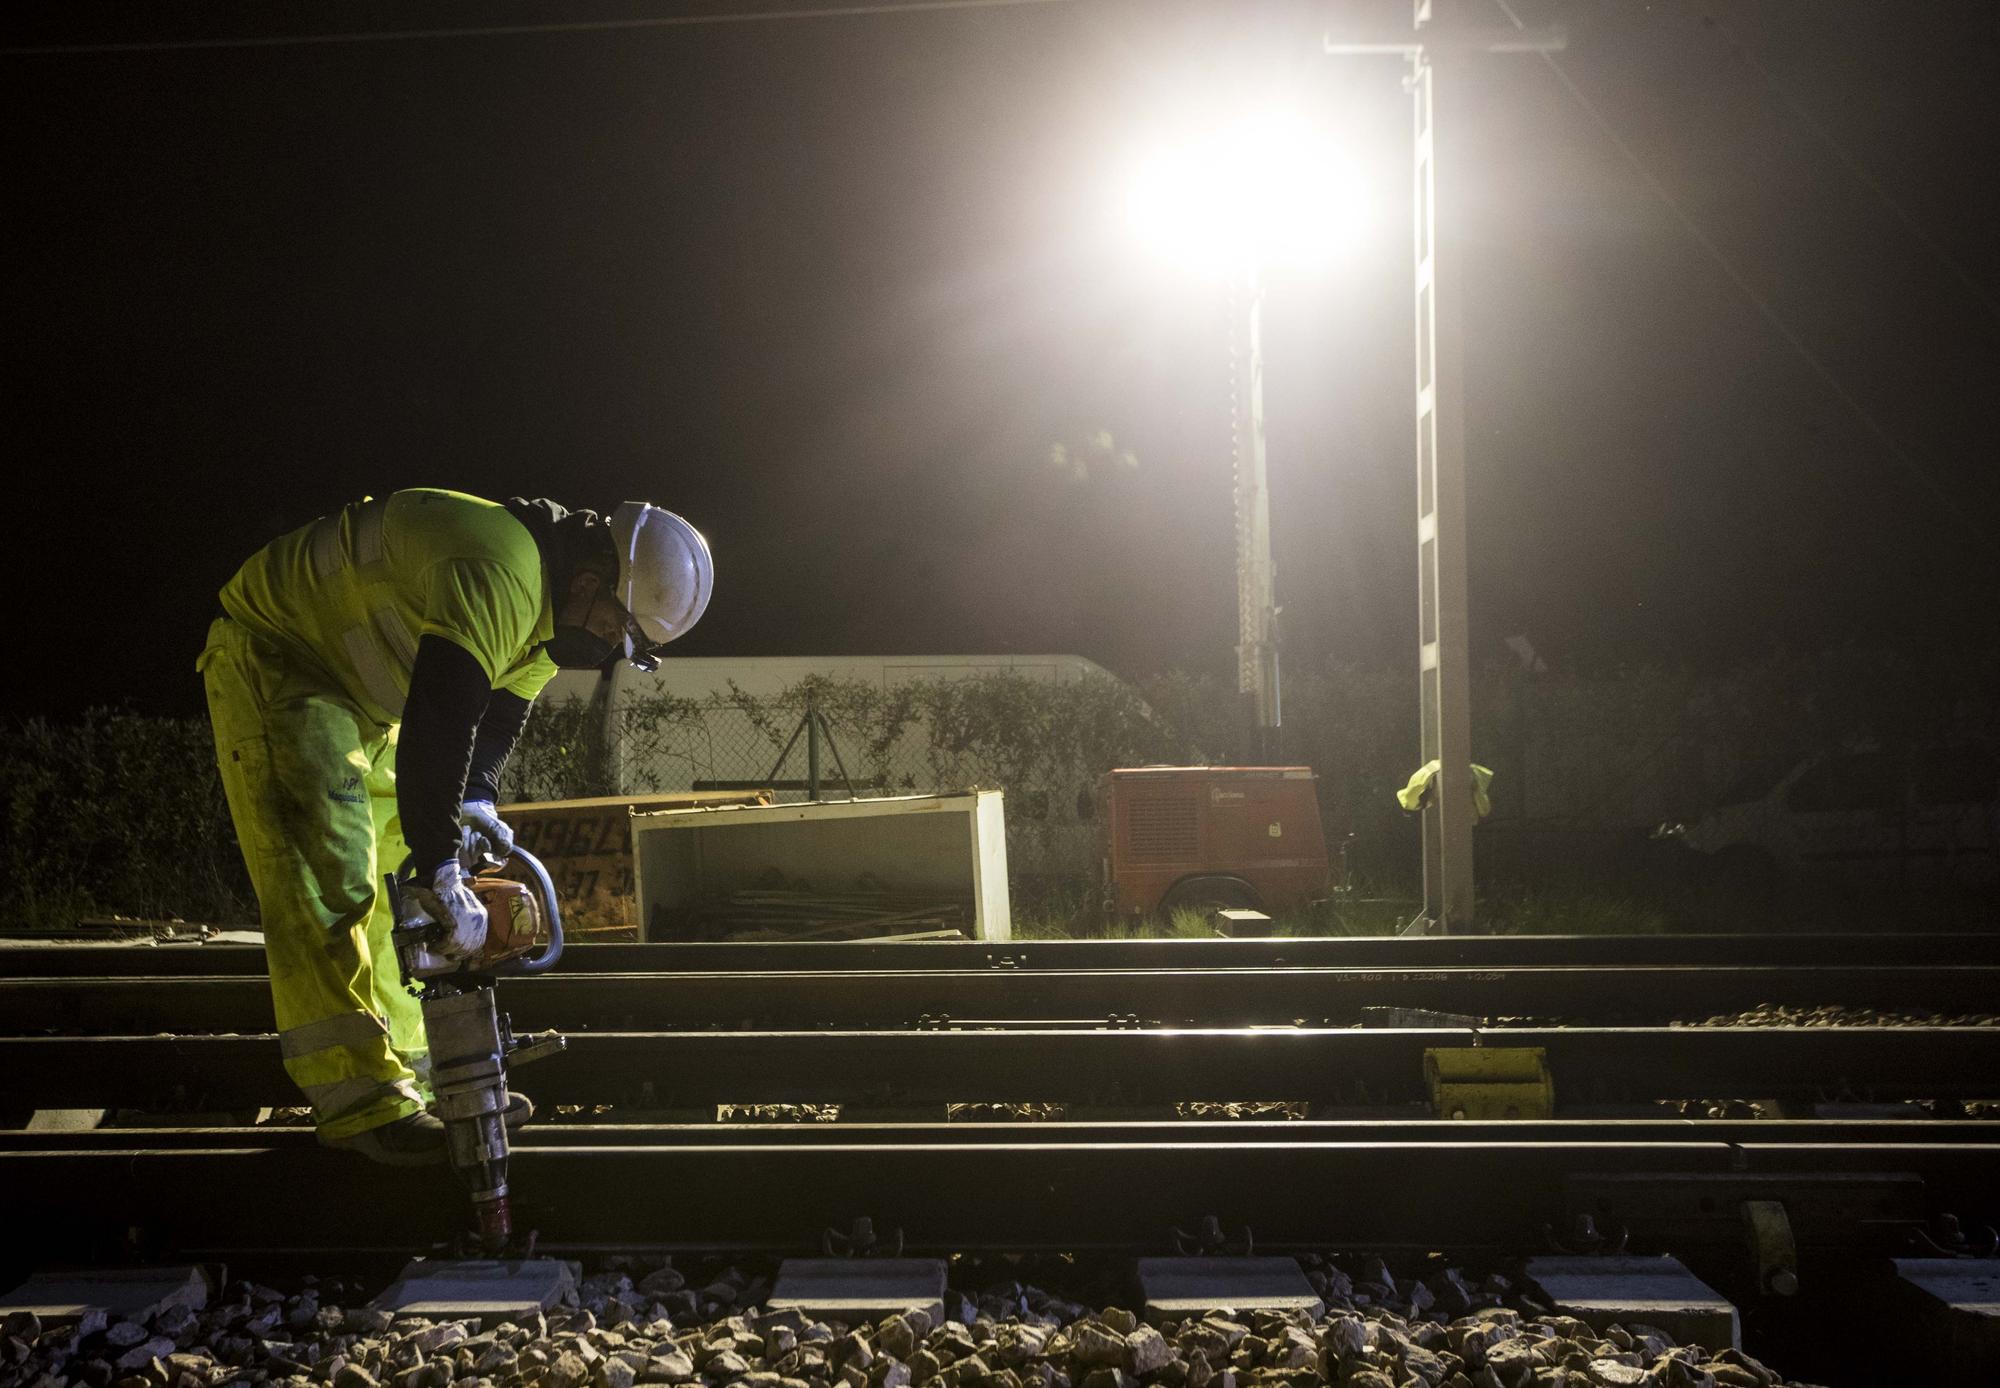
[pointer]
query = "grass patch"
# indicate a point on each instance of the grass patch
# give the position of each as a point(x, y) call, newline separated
point(1554, 910)
point(1572, 911)
point(1045, 925)
point(1047, 920)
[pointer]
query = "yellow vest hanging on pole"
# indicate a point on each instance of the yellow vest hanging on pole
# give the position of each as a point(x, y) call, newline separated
point(1411, 796)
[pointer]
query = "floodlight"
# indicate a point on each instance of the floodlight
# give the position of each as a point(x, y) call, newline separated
point(1263, 188)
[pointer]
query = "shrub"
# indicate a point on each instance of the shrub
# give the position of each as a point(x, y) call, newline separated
point(116, 813)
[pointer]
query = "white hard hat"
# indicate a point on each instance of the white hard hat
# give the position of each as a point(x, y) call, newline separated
point(665, 572)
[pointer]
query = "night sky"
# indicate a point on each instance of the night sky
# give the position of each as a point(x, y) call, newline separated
point(833, 288)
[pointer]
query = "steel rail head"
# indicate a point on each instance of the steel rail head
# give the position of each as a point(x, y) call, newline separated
point(43, 958)
point(1430, 1195)
point(1906, 1134)
point(1116, 1067)
point(1312, 994)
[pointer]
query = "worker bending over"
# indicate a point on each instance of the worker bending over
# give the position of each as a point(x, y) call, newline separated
point(366, 681)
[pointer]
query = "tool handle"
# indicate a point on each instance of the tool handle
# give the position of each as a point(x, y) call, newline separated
point(552, 951)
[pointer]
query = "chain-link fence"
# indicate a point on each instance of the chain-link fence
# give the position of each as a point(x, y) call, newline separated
point(117, 813)
point(852, 746)
point(1608, 753)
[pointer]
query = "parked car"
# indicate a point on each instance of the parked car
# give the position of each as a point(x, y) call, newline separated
point(1868, 818)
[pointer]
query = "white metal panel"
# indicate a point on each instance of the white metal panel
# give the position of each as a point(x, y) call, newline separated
point(945, 843)
point(989, 867)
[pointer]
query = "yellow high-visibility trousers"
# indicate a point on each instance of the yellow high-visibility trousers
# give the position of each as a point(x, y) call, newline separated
point(311, 784)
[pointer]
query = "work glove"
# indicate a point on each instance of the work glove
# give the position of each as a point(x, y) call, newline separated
point(460, 916)
point(483, 832)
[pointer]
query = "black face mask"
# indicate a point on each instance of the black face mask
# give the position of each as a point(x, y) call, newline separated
point(579, 648)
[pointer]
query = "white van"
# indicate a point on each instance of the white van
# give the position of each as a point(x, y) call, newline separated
point(1869, 817)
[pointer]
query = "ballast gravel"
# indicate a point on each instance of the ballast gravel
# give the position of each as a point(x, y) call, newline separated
point(1771, 1014)
point(1765, 1014)
point(647, 1325)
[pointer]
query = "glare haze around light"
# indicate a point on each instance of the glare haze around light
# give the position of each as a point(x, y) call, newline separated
point(1266, 189)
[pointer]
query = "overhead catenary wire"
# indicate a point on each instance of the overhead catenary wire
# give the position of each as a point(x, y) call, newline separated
point(1768, 311)
point(1854, 166)
point(579, 26)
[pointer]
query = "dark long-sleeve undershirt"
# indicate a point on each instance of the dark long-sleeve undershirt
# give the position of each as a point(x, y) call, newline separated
point(449, 698)
point(506, 715)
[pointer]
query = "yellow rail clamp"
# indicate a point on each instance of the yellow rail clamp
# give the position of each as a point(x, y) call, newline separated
point(1482, 1082)
point(1777, 1253)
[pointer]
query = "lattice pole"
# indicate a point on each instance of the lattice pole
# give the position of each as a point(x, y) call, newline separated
point(1443, 654)
point(1256, 574)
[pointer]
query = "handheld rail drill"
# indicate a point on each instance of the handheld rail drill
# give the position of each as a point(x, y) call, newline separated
point(471, 1040)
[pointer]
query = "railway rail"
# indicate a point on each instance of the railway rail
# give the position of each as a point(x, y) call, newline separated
point(1115, 1033)
point(647, 1070)
point(20, 958)
point(1805, 1132)
point(1249, 996)
point(968, 1195)
point(196, 989)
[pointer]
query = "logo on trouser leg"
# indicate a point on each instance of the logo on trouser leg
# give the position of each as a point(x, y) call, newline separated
point(348, 792)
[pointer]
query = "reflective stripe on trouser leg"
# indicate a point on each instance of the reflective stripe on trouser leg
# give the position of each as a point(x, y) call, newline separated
point(295, 757)
point(394, 1003)
point(323, 1048)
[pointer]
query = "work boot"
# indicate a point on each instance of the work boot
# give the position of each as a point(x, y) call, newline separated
point(416, 1139)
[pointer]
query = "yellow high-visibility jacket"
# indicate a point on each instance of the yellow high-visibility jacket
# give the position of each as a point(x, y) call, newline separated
point(355, 591)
